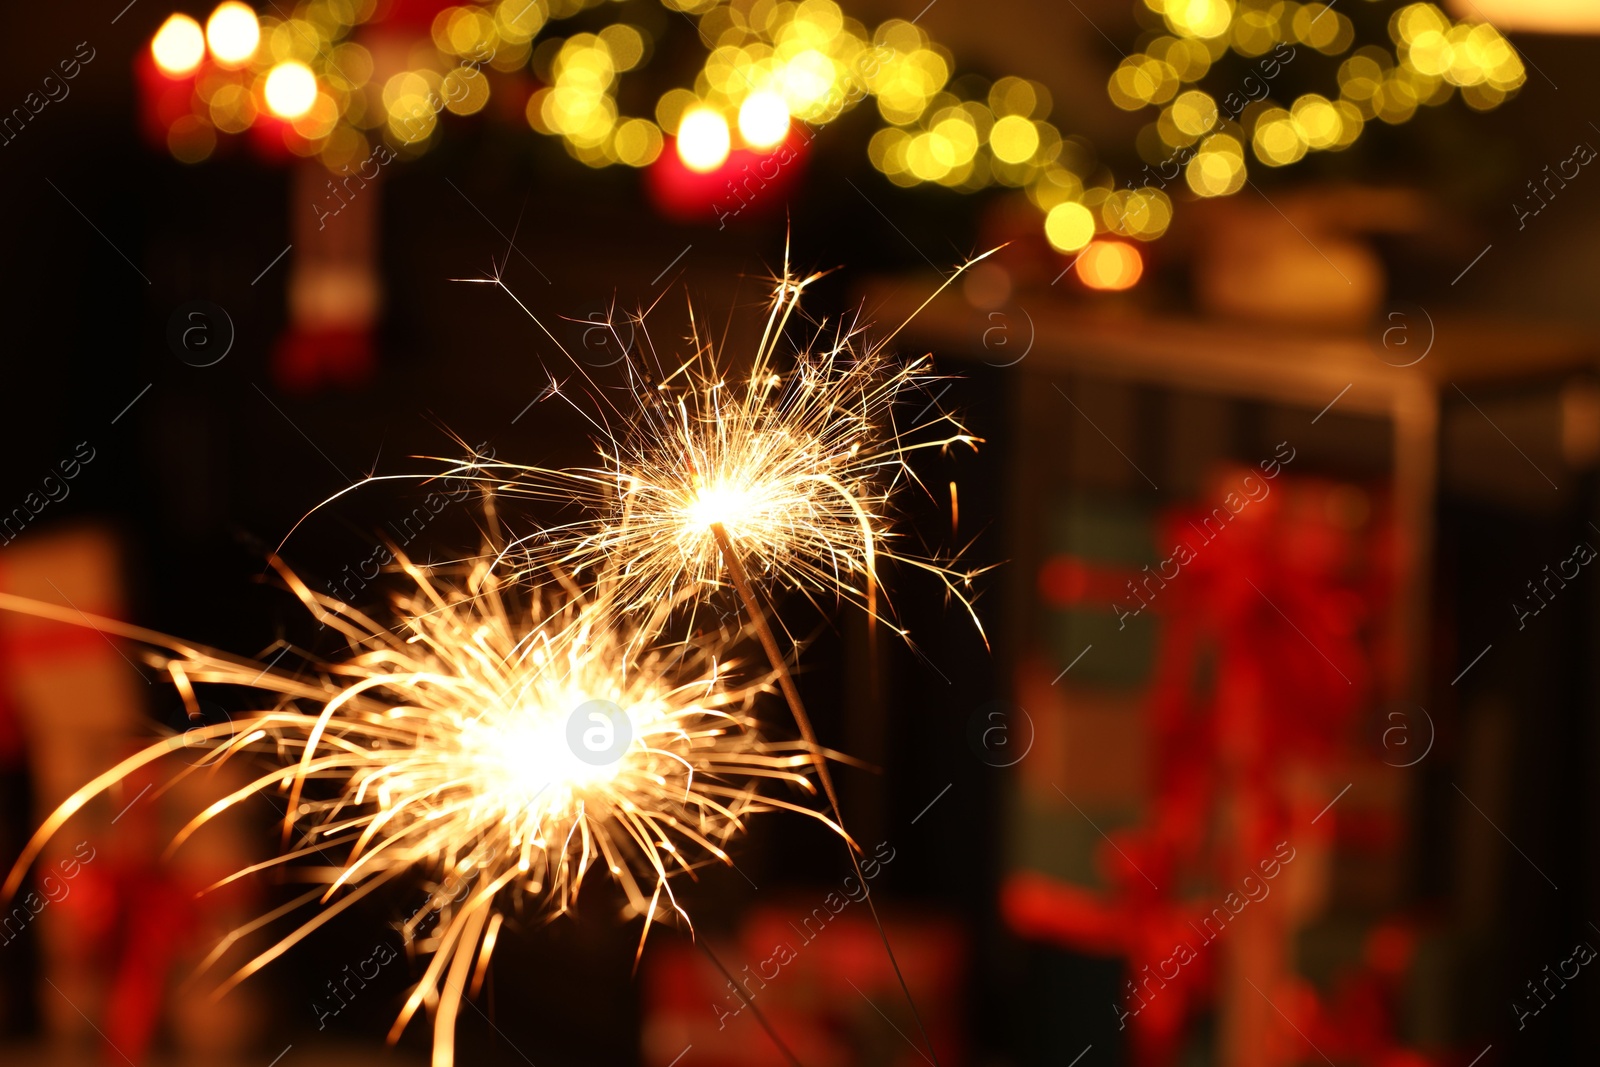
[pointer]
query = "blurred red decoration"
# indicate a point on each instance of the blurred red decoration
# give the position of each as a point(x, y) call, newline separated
point(306, 360)
point(747, 185)
point(1242, 709)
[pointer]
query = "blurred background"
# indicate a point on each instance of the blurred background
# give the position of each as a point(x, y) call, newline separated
point(1279, 749)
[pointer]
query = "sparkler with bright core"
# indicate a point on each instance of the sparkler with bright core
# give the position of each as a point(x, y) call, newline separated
point(507, 750)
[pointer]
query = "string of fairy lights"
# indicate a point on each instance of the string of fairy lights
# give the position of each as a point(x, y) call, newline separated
point(333, 93)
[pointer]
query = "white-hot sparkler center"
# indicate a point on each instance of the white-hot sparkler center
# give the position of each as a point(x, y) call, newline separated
point(719, 503)
point(529, 758)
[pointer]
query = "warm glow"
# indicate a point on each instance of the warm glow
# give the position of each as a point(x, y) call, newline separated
point(703, 139)
point(179, 46)
point(1014, 139)
point(512, 744)
point(1199, 18)
point(233, 33)
point(526, 756)
point(789, 457)
point(1110, 265)
point(717, 504)
point(1069, 226)
point(291, 90)
point(763, 119)
point(1218, 169)
point(1542, 16)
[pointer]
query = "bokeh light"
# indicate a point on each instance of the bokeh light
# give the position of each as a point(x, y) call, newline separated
point(1196, 18)
point(768, 63)
point(1013, 139)
point(233, 34)
point(1069, 226)
point(1110, 265)
point(637, 142)
point(291, 90)
point(763, 119)
point(703, 139)
point(1218, 169)
point(1277, 140)
point(178, 46)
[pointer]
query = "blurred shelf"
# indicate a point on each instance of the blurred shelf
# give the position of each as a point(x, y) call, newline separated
point(1352, 372)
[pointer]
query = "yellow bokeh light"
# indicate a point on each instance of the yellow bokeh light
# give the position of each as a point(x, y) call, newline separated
point(295, 39)
point(1069, 226)
point(1198, 18)
point(580, 105)
point(344, 147)
point(625, 44)
point(1318, 121)
point(468, 31)
point(1277, 139)
point(806, 81)
point(1431, 53)
point(703, 139)
point(1140, 80)
point(519, 21)
point(465, 90)
point(1480, 55)
point(1015, 96)
point(673, 105)
point(1395, 100)
point(1194, 113)
point(349, 67)
point(1254, 31)
point(412, 119)
point(1014, 139)
point(319, 120)
point(1144, 214)
point(1414, 20)
point(925, 160)
point(954, 138)
point(1189, 58)
point(1351, 123)
point(763, 119)
point(906, 82)
point(512, 56)
point(233, 109)
point(178, 46)
point(1323, 28)
point(637, 143)
point(1218, 169)
point(233, 33)
point(1054, 185)
point(291, 89)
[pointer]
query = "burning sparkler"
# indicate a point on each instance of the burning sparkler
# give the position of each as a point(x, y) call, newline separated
point(786, 471)
point(792, 465)
point(714, 472)
point(503, 752)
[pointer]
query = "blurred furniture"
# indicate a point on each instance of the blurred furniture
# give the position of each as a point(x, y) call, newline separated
point(113, 922)
point(1403, 372)
point(1152, 790)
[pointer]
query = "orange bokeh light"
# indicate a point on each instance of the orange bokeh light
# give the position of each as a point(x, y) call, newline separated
point(1110, 265)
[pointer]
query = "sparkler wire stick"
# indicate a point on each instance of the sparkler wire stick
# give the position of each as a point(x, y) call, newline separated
point(748, 1002)
point(758, 620)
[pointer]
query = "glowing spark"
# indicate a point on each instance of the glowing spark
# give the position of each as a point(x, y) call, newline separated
point(496, 753)
point(798, 460)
